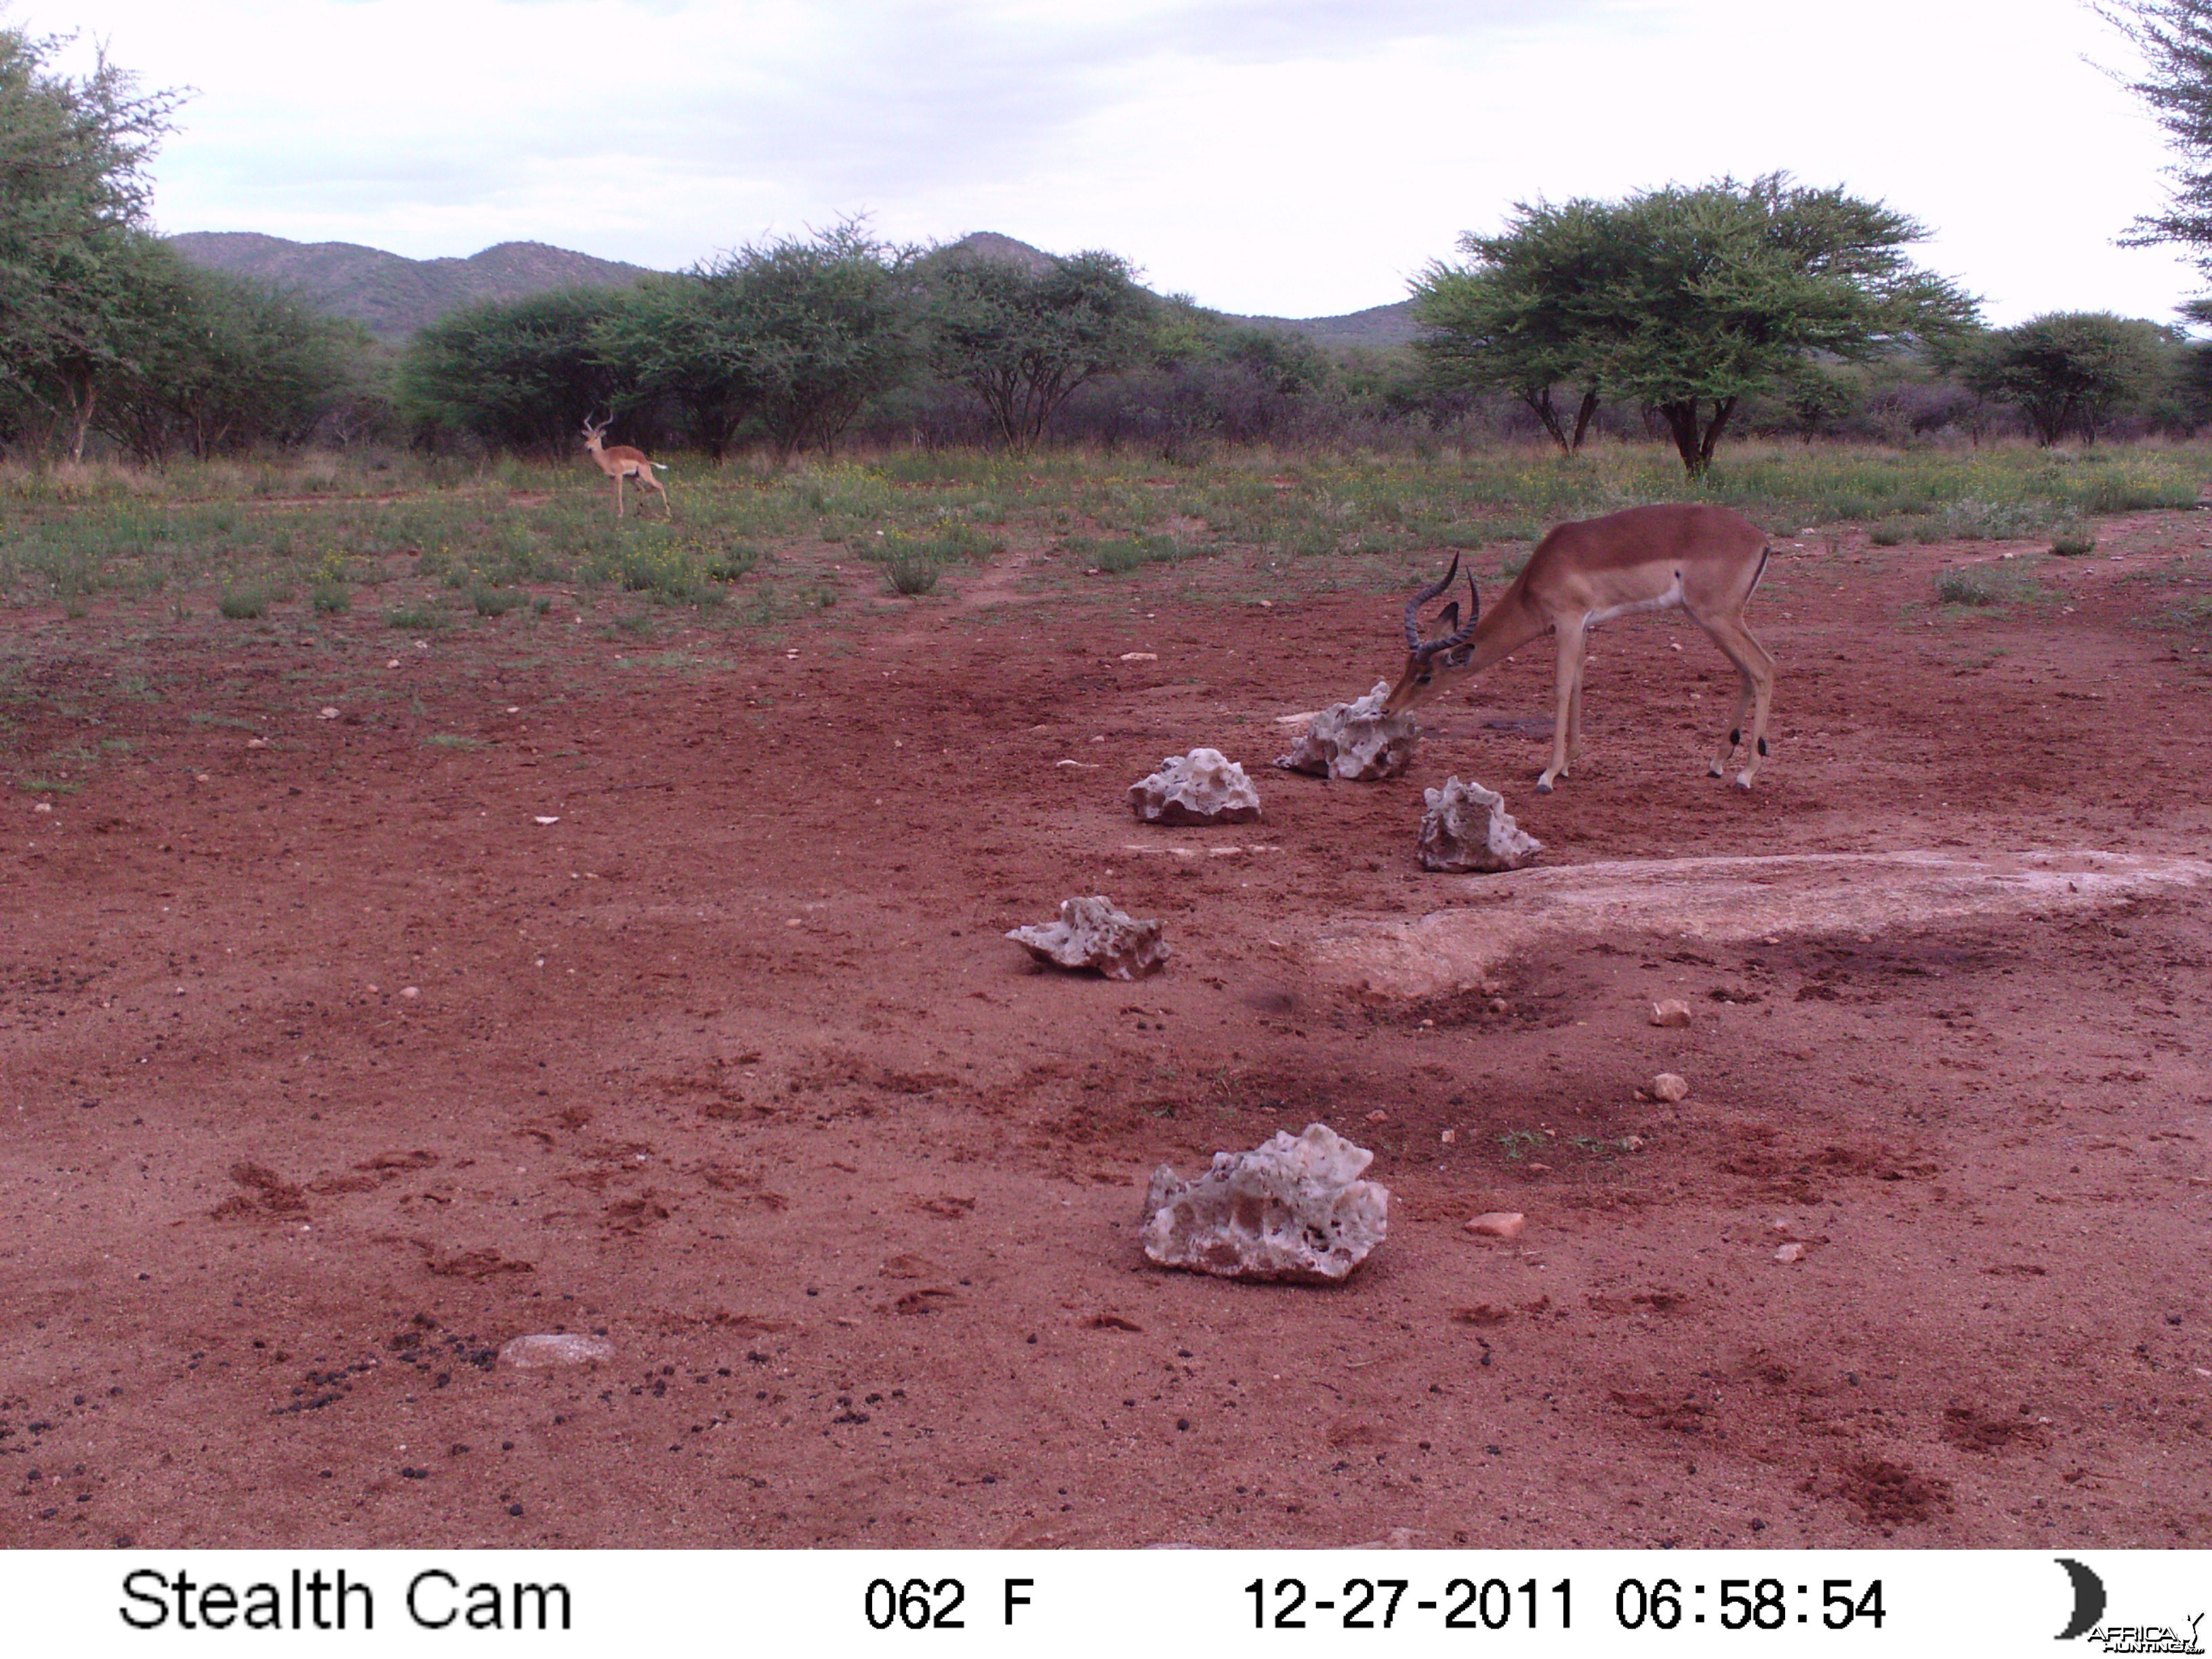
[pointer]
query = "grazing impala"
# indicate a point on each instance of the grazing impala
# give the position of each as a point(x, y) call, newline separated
point(623, 462)
point(1704, 561)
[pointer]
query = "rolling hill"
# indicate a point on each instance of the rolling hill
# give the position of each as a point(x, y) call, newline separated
point(392, 296)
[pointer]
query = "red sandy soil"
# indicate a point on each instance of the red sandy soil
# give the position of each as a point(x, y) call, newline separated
point(329, 1068)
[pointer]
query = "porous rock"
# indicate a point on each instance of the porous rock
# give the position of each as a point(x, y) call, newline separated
point(1091, 933)
point(1670, 1086)
point(1204, 786)
point(1499, 1223)
point(1467, 830)
point(555, 1348)
point(1356, 741)
point(1293, 1208)
point(1674, 1013)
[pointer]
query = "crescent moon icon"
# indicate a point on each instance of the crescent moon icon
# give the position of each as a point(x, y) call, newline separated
point(2088, 1599)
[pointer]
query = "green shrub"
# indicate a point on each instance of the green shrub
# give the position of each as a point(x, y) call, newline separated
point(2071, 541)
point(961, 541)
point(496, 601)
point(243, 603)
point(419, 618)
point(733, 562)
point(1124, 554)
point(331, 597)
point(911, 572)
point(1888, 532)
point(1968, 585)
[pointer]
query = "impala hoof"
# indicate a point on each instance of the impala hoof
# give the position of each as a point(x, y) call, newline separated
point(1543, 786)
point(1716, 770)
point(1743, 781)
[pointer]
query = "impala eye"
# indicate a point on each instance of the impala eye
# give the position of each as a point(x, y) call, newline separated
point(1425, 679)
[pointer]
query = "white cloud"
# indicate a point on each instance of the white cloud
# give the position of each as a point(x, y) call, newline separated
point(1298, 157)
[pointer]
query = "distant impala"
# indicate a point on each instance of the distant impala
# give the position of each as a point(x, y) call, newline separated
point(1704, 561)
point(623, 462)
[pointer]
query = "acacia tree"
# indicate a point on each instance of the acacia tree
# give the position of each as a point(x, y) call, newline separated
point(73, 199)
point(1022, 341)
point(1685, 300)
point(2071, 371)
point(522, 372)
point(1508, 320)
point(794, 336)
point(2175, 40)
point(1726, 288)
point(221, 361)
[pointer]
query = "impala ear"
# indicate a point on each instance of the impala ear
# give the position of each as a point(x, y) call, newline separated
point(1448, 618)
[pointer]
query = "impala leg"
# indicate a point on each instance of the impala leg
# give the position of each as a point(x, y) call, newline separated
point(1570, 685)
point(1575, 724)
point(1754, 667)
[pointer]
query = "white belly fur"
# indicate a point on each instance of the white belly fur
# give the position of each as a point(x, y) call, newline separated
point(1670, 601)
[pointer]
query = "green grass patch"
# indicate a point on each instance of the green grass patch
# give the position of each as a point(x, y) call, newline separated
point(496, 601)
point(245, 604)
point(453, 740)
point(417, 619)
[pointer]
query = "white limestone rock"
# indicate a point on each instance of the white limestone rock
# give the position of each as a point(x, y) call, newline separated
point(1467, 830)
point(1091, 933)
point(1292, 1209)
point(1356, 741)
point(1204, 786)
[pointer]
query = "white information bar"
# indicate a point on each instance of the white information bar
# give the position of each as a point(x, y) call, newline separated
point(72, 1604)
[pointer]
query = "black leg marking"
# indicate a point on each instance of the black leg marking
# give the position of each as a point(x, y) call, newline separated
point(1735, 736)
point(1762, 745)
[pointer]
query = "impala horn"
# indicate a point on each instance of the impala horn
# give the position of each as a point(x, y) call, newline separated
point(1458, 636)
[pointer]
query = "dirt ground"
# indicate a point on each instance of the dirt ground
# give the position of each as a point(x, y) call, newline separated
point(549, 983)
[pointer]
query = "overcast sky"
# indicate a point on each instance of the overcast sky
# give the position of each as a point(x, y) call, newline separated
point(1298, 157)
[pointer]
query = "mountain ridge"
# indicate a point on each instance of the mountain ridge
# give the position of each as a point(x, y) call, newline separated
point(393, 296)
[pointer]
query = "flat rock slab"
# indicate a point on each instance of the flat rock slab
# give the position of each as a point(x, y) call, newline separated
point(1728, 899)
point(555, 1348)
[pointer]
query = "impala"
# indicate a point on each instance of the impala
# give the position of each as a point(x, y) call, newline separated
point(1704, 561)
point(623, 462)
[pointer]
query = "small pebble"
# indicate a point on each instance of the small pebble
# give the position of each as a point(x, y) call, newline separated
point(1789, 1253)
point(328, 715)
point(1669, 1087)
point(1672, 1012)
point(1379, 1117)
point(1499, 1223)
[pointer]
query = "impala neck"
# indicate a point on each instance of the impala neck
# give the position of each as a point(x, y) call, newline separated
point(1505, 628)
